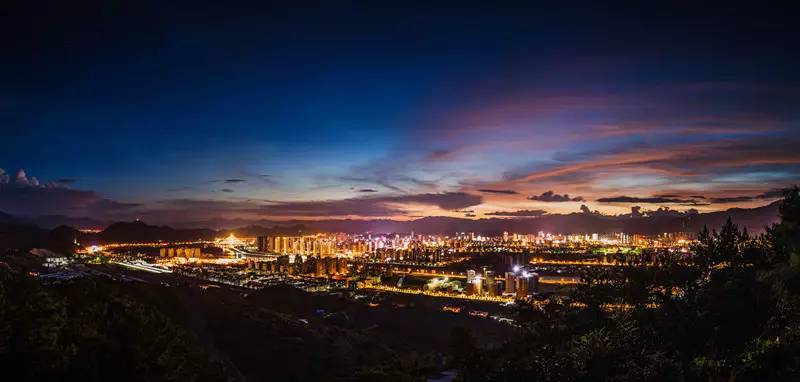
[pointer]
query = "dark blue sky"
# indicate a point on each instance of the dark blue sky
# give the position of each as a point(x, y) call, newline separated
point(159, 104)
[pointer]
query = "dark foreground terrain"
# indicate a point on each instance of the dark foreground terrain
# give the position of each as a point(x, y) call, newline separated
point(165, 327)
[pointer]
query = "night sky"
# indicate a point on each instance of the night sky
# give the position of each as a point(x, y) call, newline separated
point(173, 111)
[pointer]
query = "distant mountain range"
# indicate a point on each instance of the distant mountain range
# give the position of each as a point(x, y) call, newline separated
point(20, 232)
point(755, 219)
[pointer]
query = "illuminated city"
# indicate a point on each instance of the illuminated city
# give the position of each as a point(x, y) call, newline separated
point(359, 191)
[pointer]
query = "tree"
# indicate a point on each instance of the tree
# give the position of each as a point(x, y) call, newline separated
point(85, 330)
point(730, 310)
point(462, 344)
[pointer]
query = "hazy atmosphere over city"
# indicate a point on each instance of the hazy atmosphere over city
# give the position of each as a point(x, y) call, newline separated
point(189, 111)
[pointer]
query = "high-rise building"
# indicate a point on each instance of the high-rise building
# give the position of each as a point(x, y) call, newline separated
point(261, 243)
point(477, 283)
point(319, 266)
point(470, 289)
point(522, 286)
point(341, 266)
point(511, 283)
point(527, 284)
point(330, 265)
point(470, 276)
point(491, 287)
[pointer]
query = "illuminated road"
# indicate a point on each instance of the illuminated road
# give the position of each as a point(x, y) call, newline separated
point(557, 280)
point(154, 244)
point(142, 266)
point(245, 254)
point(438, 294)
point(592, 263)
point(503, 299)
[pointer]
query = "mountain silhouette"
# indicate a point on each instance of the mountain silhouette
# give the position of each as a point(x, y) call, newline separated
point(21, 233)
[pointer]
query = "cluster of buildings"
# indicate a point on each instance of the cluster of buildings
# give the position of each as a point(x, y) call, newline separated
point(169, 252)
point(50, 258)
point(301, 265)
point(356, 244)
point(322, 245)
point(519, 283)
point(444, 247)
point(544, 239)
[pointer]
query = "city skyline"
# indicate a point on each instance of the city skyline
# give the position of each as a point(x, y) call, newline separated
point(341, 111)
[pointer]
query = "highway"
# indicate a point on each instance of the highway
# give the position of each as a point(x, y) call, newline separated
point(558, 280)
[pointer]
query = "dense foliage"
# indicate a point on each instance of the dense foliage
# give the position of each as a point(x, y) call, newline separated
point(729, 311)
point(88, 331)
point(101, 329)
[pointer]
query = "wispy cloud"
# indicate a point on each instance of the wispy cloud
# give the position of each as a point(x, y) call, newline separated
point(550, 196)
point(678, 160)
point(520, 213)
point(372, 206)
point(650, 200)
point(492, 191)
point(772, 194)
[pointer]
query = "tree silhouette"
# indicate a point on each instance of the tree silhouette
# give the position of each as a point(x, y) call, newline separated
point(730, 310)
